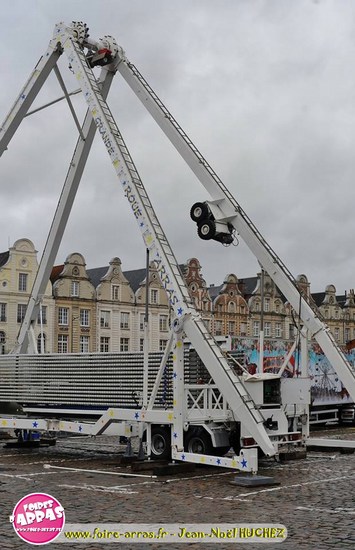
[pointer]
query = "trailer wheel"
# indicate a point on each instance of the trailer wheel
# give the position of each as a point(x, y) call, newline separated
point(234, 439)
point(206, 230)
point(199, 441)
point(220, 451)
point(199, 211)
point(161, 443)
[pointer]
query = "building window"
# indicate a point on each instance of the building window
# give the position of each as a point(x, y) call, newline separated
point(124, 320)
point(153, 296)
point(141, 344)
point(2, 342)
point(267, 305)
point(22, 282)
point(84, 344)
point(105, 319)
point(336, 334)
point(347, 335)
point(75, 289)
point(41, 343)
point(336, 313)
point(163, 323)
point(104, 344)
point(267, 329)
point(3, 313)
point(243, 329)
point(219, 328)
point(42, 314)
point(21, 312)
point(141, 321)
point(84, 318)
point(63, 343)
point(63, 314)
point(115, 292)
point(162, 345)
point(278, 330)
point(277, 307)
point(231, 307)
point(231, 328)
point(256, 328)
point(124, 344)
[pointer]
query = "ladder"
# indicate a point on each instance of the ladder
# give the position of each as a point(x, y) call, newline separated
point(72, 41)
point(230, 385)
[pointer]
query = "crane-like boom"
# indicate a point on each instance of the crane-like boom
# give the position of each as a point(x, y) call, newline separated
point(228, 211)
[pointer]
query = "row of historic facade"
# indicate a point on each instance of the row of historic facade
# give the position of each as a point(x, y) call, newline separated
point(103, 309)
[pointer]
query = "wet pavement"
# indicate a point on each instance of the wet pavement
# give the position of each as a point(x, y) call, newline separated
point(315, 499)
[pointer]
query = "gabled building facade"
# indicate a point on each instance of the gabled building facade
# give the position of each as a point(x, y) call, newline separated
point(18, 269)
point(121, 299)
point(75, 307)
point(267, 309)
point(230, 309)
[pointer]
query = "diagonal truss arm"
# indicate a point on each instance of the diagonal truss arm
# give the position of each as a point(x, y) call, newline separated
point(19, 110)
point(28, 94)
point(60, 219)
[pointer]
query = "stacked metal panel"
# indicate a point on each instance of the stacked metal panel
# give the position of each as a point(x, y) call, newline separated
point(91, 380)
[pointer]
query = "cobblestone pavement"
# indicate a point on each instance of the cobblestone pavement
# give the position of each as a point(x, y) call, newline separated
point(315, 499)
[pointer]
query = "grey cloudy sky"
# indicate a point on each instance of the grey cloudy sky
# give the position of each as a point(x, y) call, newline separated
point(265, 89)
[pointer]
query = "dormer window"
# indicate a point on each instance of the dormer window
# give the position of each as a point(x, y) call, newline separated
point(74, 289)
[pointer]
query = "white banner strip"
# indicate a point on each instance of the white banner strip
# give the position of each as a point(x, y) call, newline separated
point(76, 533)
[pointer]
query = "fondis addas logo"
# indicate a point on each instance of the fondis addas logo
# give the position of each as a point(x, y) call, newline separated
point(38, 518)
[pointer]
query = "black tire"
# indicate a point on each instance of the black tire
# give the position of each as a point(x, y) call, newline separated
point(161, 443)
point(206, 230)
point(220, 451)
point(199, 441)
point(199, 211)
point(234, 439)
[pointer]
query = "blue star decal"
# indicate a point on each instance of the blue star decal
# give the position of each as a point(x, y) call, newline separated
point(175, 435)
point(183, 457)
point(244, 463)
point(136, 415)
point(174, 374)
point(23, 96)
point(80, 428)
point(141, 224)
point(35, 424)
point(218, 461)
point(179, 311)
